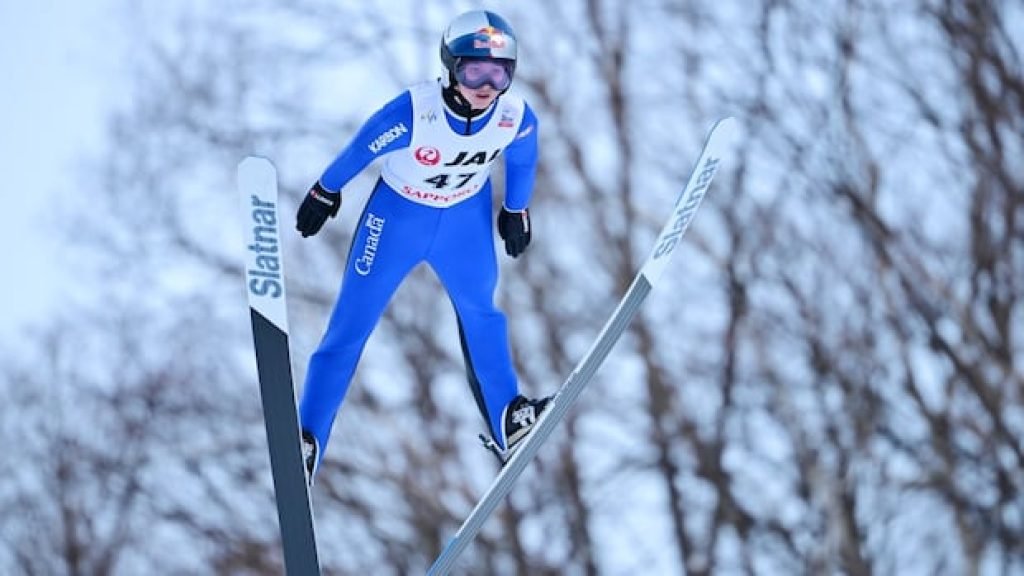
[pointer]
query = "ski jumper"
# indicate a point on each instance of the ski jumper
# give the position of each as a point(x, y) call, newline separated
point(432, 204)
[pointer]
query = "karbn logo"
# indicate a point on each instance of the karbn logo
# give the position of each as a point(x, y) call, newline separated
point(387, 137)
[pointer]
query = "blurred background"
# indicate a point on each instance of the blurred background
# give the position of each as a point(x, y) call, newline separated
point(828, 381)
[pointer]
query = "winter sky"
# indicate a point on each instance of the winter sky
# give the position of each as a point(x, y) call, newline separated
point(60, 63)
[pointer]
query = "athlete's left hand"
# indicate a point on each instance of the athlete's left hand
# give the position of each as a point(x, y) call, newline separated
point(514, 229)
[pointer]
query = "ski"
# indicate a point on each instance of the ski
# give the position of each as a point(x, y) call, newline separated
point(265, 285)
point(716, 144)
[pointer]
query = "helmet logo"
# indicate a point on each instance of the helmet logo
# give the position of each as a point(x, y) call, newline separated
point(427, 155)
point(489, 37)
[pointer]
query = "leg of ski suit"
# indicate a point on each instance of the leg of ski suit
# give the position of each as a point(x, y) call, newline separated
point(394, 235)
point(463, 258)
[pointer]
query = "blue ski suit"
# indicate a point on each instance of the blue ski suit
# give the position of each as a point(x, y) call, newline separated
point(414, 215)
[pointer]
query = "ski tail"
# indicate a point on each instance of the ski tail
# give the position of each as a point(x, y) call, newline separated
point(265, 285)
point(716, 145)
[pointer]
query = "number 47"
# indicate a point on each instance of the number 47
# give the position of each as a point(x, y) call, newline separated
point(441, 180)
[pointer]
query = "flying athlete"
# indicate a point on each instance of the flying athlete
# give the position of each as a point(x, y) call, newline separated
point(438, 141)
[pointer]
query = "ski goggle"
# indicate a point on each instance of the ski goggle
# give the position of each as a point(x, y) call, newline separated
point(475, 73)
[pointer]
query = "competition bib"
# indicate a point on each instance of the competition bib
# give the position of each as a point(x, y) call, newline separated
point(441, 167)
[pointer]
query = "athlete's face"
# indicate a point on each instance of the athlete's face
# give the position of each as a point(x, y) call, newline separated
point(478, 98)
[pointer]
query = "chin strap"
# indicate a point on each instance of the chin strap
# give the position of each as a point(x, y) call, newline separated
point(457, 102)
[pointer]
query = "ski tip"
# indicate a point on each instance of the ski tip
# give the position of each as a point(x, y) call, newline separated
point(256, 158)
point(727, 127)
point(257, 164)
point(726, 120)
point(721, 136)
point(257, 174)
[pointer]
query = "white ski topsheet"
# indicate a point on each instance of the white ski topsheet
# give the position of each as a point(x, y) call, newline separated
point(718, 142)
point(264, 268)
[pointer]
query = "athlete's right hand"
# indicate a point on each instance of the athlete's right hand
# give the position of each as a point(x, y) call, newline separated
point(315, 208)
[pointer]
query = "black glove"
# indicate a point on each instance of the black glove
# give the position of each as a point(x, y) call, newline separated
point(316, 207)
point(514, 229)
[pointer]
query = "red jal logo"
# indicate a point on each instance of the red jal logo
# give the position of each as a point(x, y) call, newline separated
point(428, 155)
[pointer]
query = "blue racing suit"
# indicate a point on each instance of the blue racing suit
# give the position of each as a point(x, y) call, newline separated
point(443, 220)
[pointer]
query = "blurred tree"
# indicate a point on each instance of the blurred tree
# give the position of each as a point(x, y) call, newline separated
point(830, 383)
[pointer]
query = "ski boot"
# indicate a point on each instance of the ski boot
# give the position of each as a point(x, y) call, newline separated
point(310, 453)
point(517, 419)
